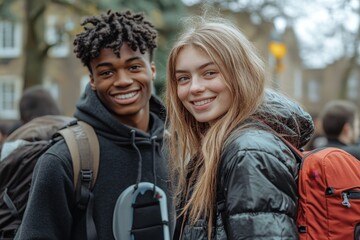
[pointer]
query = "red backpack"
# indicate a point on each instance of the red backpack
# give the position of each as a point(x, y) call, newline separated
point(329, 194)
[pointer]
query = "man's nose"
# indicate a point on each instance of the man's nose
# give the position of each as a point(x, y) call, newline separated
point(122, 79)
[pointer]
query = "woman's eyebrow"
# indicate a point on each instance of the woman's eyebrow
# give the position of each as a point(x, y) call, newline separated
point(198, 68)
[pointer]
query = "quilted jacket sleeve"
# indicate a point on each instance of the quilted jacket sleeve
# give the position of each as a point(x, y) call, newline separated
point(261, 193)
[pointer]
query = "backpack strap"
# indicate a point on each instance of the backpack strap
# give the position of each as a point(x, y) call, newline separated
point(93, 149)
point(297, 153)
point(83, 145)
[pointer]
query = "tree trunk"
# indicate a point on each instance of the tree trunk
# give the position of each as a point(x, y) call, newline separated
point(35, 45)
point(346, 74)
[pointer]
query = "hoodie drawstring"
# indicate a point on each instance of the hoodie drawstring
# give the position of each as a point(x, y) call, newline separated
point(153, 145)
point(139, 156)
point(153, 161)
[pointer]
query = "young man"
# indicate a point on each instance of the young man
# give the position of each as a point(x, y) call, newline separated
point(117, 48)
point(340, 123)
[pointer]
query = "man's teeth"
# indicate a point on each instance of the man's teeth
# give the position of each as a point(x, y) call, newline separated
point(126, 96)
point(199, 103)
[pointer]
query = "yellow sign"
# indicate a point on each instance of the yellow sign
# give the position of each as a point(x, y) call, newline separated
point(277, 49)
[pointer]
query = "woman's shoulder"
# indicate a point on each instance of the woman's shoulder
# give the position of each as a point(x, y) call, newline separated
point(255, 139)
point(254, 145)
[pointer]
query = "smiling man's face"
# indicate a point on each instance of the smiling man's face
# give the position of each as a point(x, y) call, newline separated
point(124, 84)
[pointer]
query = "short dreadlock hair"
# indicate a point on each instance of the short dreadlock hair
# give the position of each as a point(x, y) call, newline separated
point(111, 30)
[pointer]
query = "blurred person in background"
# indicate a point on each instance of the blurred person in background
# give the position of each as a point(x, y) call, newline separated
point(318, 139)
point(35, 101)
point(340, 123)
point(4, 129)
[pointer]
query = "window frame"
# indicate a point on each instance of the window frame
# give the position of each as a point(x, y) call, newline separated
point(11, 97)
point(10, 30)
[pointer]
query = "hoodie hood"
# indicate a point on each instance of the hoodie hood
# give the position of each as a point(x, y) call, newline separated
point(286, 118)
point(90, 109)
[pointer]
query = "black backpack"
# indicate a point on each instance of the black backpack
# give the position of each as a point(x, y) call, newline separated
point(17, 167)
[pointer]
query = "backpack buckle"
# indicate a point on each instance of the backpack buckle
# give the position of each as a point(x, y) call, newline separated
point(302, 229)
point(86, 175)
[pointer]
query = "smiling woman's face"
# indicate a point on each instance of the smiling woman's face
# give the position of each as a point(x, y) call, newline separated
point(200, 85)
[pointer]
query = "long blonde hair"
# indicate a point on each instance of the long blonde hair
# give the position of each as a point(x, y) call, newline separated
point(199, 144)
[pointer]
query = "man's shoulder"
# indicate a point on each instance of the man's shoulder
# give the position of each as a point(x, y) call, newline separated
point(57, 150)
point(353, 150)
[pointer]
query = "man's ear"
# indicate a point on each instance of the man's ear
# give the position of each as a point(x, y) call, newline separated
point(92, 82)
point(346, 133)
point(347, 128)
point(153, 70)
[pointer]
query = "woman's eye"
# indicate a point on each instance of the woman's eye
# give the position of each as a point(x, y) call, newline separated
point(210, 73)
point(182, 79)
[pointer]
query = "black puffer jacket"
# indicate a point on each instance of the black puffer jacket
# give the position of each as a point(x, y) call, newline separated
point(257, 177)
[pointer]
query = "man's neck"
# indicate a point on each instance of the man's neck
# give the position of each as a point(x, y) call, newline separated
point(138, 121)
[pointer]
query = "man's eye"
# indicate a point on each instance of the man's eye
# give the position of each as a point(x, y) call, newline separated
point(135, 67)
point(105, 73)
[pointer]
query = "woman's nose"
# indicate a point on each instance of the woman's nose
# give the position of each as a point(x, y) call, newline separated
point(197, 85)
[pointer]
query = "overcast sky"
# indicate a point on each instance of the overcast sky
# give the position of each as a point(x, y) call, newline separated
point(321, 26)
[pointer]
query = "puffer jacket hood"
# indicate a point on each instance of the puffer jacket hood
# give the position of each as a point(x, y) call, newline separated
point(286, 117)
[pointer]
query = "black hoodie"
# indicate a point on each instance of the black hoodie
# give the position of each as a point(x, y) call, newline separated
point(51, 211)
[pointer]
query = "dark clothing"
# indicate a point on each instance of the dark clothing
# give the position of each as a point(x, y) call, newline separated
point(51, 212)
point(258, 174)
point(352, 149)
point(334, 143)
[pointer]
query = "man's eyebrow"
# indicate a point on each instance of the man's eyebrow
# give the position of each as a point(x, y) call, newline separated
point(107, 64)
point(104, 64)
point(198, 68)
point(134, 58)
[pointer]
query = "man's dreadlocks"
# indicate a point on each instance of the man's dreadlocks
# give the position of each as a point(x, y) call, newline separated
point(111, 30)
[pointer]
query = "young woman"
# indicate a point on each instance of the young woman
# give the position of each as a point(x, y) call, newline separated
point(235, 177)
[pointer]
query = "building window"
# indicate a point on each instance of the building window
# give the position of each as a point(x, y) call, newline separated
point(10, 39)
point(313, 91)
point(352, 87)
point(298, 82)
point(10, 93)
